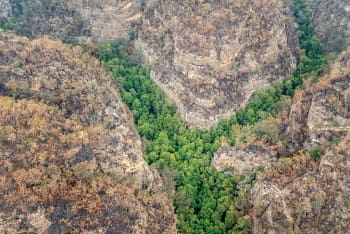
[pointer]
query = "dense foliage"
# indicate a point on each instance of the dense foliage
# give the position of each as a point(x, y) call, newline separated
point(204, 198)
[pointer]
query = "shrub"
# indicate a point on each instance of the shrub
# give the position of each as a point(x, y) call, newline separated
point(316, 153)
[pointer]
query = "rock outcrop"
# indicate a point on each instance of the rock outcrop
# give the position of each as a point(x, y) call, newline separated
point(309, 191)
point(320, 113)
point(256, 147)
point(244, 159)
point(83, 21)
point(70, 160)
point(332, 21)
point(300, 195)
point(210, 56)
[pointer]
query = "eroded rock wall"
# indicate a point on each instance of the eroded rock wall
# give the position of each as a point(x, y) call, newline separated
point(210, 56)
point(300, 195)
point(244, 159)
point(332, 21)
point(320, 113)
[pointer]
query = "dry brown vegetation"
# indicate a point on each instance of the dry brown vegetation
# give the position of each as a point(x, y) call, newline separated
point(69, 160)
point(309, 191)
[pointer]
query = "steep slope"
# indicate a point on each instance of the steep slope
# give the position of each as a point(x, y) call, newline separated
point(320, 113)
point(210, 56)
point(81, 20)
point(70, 160)
point(300, 195)
point(309, 192)
point(332, 21)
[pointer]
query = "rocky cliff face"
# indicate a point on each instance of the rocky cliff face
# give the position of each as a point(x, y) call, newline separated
point(84, 21)
point(308, 191)
point(320, 113)
point(210, 56)
point(332, 21)
point(70, 160)
point(300, 194)
point(244, 159)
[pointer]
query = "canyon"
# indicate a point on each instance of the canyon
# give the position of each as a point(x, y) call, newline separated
point(72, 161)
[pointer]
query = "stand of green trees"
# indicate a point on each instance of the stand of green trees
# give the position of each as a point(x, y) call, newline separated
point(204, 199)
